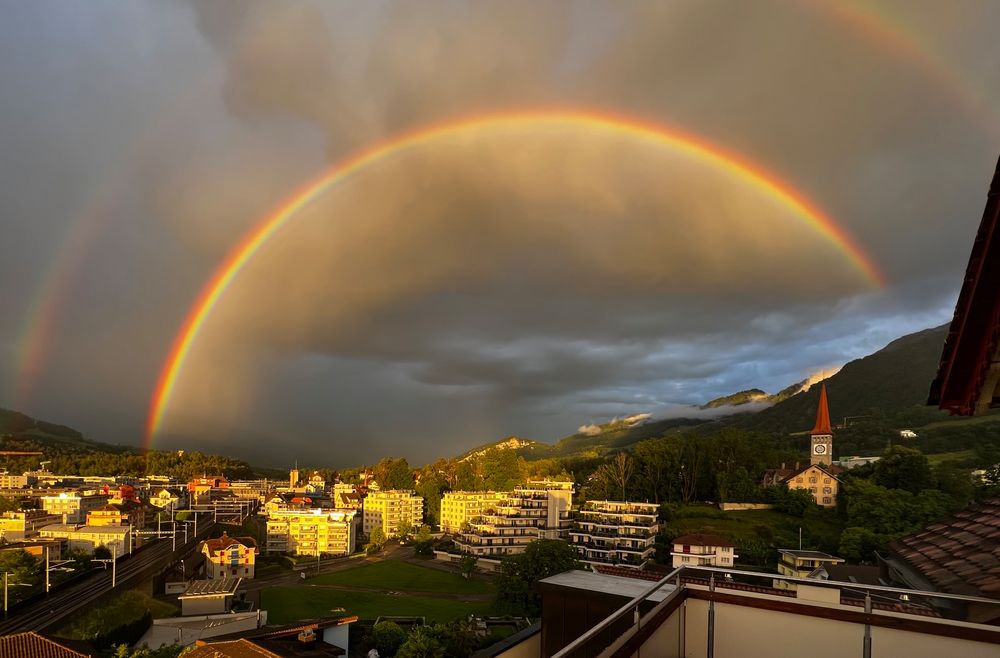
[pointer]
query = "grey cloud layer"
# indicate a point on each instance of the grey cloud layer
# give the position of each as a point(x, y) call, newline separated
point(504, 303)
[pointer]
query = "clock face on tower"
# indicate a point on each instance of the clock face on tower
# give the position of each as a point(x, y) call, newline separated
point(819, 449)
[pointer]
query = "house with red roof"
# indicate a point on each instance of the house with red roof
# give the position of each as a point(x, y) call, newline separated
point(229, 557)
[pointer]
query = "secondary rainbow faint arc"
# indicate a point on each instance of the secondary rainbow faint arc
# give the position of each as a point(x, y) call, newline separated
point(666, 136)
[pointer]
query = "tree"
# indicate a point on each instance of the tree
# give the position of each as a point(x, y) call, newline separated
point(166, 651)
point(859, 544)
point(622, 468)
point(468, 564)
point(903, 468)
point(23, 569)
point(420, 644)
point(502, 469)
point(424, 543)
point(404, 529)
point(102, 552)
point(656, 459)
point(519, 573)
point(457, 639)
point(394, 474)
point(431, 487)
point(387, 637)
point(693, 457)
point(376, 540)
point(793, 502)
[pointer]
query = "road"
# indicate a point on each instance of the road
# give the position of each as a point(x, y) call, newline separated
point(62, 602)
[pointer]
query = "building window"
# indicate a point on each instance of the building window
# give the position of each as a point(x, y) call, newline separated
point(827, 500)
point(827, 490)
point(812, 480)
point(685, 558)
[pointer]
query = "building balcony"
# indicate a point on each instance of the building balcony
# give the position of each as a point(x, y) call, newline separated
point(727, 613)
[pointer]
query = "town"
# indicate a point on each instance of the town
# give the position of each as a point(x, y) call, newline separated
point(499, 329)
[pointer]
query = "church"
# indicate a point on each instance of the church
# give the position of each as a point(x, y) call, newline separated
point(820, 475)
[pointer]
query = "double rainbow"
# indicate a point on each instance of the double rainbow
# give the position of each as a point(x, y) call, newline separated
point(606, 124)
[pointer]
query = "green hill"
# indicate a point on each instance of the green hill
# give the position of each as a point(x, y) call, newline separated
point(890, 384)
point(67, 451)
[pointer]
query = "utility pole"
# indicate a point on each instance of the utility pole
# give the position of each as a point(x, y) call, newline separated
point(46, 569)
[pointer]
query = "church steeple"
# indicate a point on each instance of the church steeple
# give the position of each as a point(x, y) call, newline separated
point(822, 435)
point(822, 414)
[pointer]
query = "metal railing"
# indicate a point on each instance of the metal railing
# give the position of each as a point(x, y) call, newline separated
point(675, 579)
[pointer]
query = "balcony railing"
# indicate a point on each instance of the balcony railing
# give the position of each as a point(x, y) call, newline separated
point(881, 607)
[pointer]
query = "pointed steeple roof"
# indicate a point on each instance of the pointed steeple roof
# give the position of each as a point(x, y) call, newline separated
point(822, 414)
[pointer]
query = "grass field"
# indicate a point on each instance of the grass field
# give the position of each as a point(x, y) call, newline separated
point(397, 576)
point(946, 456)
point(286, 604)
point(820, 527)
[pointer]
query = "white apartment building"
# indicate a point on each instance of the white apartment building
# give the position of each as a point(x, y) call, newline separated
point(312, 531)
point(389, 508)
point(615, 532)
point(538, 510)
point(116, 538)
point(73, 506)
point(703, 550)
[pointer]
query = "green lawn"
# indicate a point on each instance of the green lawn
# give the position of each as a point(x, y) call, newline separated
point(821, 528)
point(286, 604)
point(946, 456)
point(397, 576)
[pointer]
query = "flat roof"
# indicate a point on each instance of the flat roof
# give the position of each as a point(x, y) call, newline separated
point(87, 529)
point(607, 584)
point(216, 587)
point(809, 555)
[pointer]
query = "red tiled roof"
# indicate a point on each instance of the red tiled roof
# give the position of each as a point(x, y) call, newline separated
point(703, 539)
point(963, 384)
point(639, 574)
point(959, 555)
point(33, 645)
point(225, 541)
point(235, 649)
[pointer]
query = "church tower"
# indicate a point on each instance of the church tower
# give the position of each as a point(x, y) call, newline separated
point(293, 477)
point(821, 451)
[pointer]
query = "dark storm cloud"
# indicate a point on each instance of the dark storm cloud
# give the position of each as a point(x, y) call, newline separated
point(504, 304)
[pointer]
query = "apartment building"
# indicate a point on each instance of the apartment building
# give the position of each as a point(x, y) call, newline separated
point(125, 512)
point(460, 507)
point(802, 564)
point(702, 550)
point(538, 510)
point(615, 532)
point(229, 557)
point(312, 532)
point(10, 481)
point(73, 506)
point(24, 524)
point(387, 509)
point(116, 538)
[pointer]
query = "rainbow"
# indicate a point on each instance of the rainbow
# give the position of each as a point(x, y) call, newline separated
point(664, 136)
point(892, 35)
point(56, 287)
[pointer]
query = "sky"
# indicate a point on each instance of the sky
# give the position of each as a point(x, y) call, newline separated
point(525, 277)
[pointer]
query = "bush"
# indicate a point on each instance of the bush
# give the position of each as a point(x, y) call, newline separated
point(387, 637)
